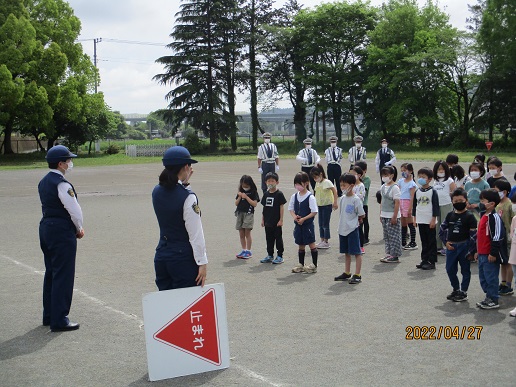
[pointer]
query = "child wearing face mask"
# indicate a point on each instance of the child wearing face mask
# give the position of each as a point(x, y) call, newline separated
point(491, 249)
point(444, 185)
point(246, 200)
point(425, 209)
point(495, 171)
point(360, 191)
point(458, 232)
point(512, 256)
point(504, 209)
point(407, 186)
point(351, 215)
point(303, 209)
point(273, 202)
point(390, 215)
point(474, 187)
point(326, 197)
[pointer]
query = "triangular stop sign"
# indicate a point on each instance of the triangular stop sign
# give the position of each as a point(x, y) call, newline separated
point(195, 330)
point(489, 144)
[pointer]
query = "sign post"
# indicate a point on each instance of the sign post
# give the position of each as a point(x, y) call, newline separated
point(186, 331)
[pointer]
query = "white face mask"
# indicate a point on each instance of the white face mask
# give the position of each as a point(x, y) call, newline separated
point(308, 146)
point(267, 140)
point(386, 179)
point(70, 166)
point(333, 144)
point(384, 145)
point(441, 174)
point(501, 194)
point(358, 144)
point(493, 171)
point(474, 174)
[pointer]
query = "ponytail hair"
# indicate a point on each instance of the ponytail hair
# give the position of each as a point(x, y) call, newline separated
point(168, 177)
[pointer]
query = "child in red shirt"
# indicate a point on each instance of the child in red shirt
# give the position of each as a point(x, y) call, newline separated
point(491, 248)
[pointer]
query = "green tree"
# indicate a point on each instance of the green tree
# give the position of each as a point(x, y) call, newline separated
point(38, 49)
point(335, 41)
point(195, 69)
point(496, 38)
point(284, 72)
point(404, 89)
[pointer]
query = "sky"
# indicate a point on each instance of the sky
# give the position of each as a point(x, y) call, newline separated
point(126, 69)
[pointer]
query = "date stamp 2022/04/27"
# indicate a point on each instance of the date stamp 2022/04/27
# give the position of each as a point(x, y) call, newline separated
point(447, 332)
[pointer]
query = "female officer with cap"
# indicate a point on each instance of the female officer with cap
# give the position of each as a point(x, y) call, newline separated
point(180, 259)
point(59, 230)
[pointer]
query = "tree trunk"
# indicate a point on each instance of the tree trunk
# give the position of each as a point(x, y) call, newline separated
point(255, 125)
point(8, 148)
point(352, 115)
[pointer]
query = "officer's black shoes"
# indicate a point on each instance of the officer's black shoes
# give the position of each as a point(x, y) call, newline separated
point(70, 327)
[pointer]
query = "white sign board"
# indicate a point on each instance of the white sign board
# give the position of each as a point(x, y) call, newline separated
point(186, 331)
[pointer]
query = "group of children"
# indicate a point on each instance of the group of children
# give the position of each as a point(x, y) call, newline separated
point(466, 217)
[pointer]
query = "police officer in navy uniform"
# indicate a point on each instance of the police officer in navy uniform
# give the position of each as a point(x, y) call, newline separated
point(59, 230)
point(180, 260)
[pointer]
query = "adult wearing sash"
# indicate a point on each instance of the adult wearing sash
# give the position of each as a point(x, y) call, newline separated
point(268, 159)
point(308, 158)
point(333, 158)
point(358, 152)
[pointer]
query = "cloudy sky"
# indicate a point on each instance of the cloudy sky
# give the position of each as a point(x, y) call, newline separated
point(126, 69)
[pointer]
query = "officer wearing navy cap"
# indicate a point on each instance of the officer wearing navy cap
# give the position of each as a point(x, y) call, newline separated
point(180, 260)
point(59, 229)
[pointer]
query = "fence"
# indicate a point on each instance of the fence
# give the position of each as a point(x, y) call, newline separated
point(20, 145)
point(152, 150)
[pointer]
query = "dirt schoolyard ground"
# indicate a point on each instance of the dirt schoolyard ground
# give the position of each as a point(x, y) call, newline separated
point(285, 329)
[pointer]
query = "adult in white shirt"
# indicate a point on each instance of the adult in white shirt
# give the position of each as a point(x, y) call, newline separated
point(268, 158)
point(308, 158)
point(357, 152)
point(59, 229)
point(333, 158)
point(384, 157)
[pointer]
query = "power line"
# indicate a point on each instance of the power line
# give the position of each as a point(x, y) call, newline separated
point(123, 41)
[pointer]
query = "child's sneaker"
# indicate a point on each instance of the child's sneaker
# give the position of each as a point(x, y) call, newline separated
point(323, 245)
point(513, 312)
point(298, 268)
point(505, 290)
point(442, 252)
point(240, 254)
point(489, 304)
point(366, 242)
point(343, 277)
point(390, 260)
point(453, 294)
point(310, 269)
point(410, 246)
point(461, 296)
point(277, 260)
point(246, 255)
point(362, 250)
point(356, 279)
point(267, 259)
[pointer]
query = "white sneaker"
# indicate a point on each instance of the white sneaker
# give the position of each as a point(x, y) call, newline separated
point(320, 244)
point(323, 245)
point(310, 269)
point(513, 312)
point(298, 268)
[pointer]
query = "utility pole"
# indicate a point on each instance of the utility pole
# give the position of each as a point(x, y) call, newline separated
point(95, 41)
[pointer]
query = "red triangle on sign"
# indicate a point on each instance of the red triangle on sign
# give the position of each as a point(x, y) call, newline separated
point(489, 144)
point(195, 330)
